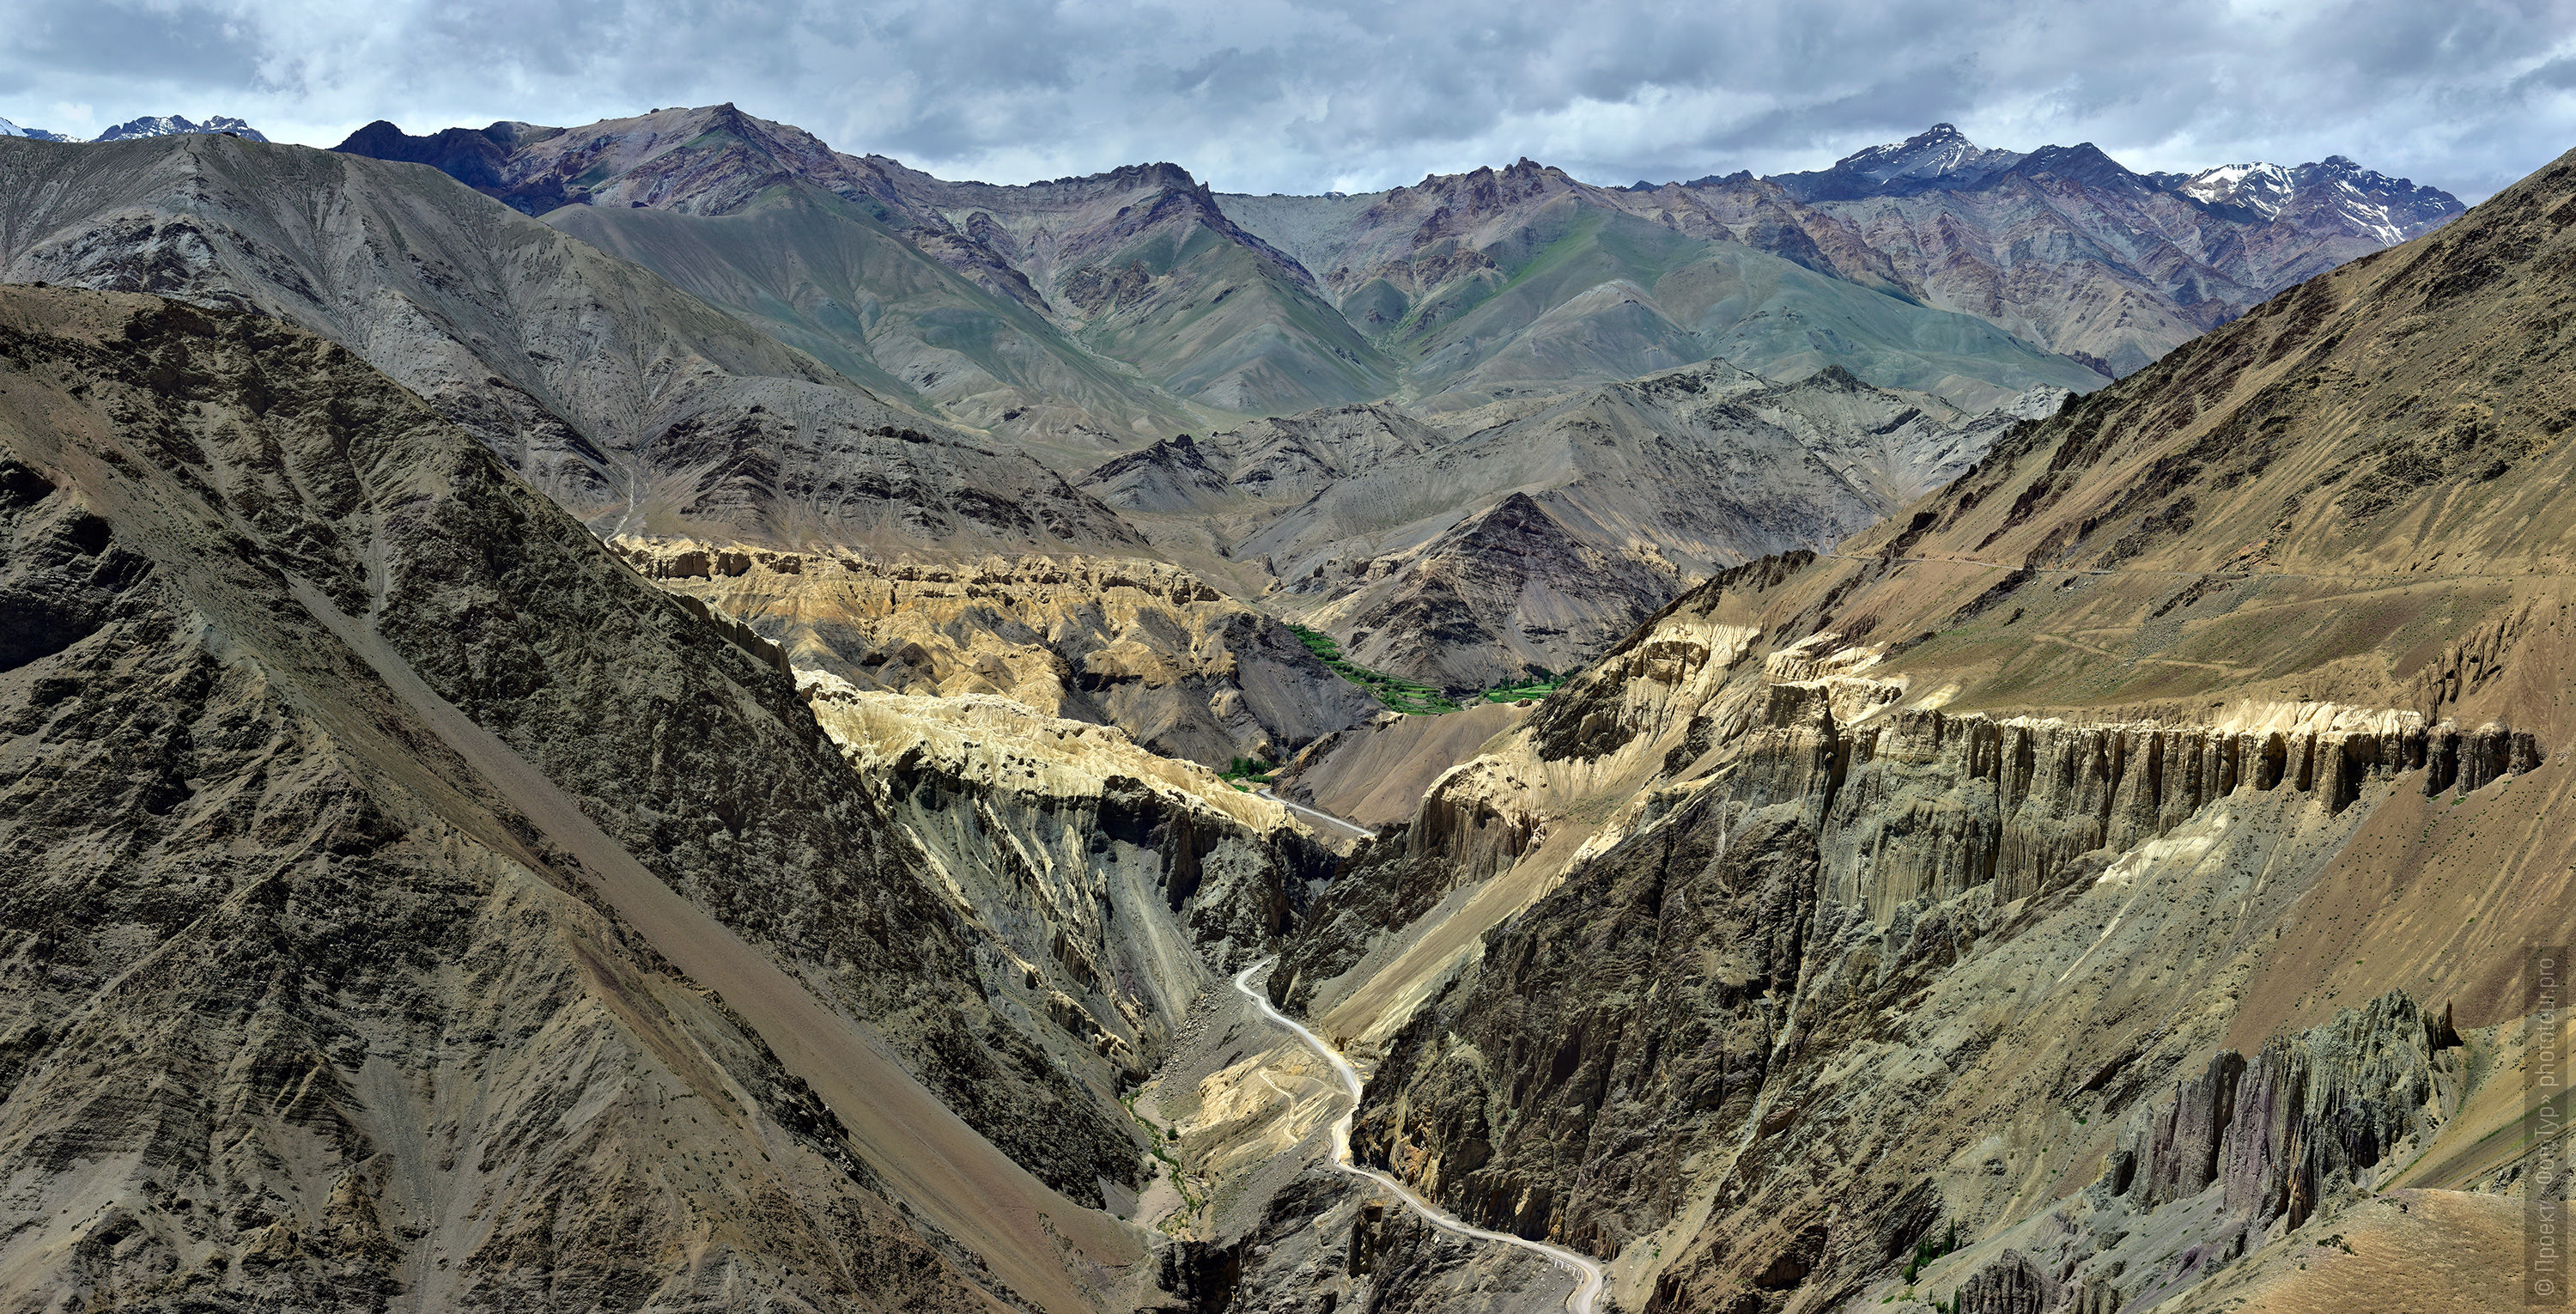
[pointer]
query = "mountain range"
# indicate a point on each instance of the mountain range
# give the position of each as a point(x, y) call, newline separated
point(161, 125)
point(657, 716)
point(2108, 883)
point(1453, 292)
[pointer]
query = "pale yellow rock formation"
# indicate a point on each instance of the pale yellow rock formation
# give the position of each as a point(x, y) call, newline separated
point(1144, 645)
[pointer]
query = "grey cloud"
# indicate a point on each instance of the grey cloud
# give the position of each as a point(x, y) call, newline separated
point(106, 38)
point(1305, 94)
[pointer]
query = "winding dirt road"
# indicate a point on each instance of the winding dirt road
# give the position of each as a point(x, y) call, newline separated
point(1587, 1274)
point(1362, 831)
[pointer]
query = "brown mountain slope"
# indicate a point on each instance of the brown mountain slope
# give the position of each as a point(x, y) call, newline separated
point(2354, 494)
point(2130, 856)
point(413, 903)
point(630, 402)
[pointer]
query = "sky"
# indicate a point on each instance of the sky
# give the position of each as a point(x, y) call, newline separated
point(1352, 95)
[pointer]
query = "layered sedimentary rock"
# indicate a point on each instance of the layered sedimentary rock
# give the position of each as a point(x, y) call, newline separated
point(1142, 645)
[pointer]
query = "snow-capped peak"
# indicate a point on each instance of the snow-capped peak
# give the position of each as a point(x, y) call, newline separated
point(172, 125)
point(2257, 186)
point(1940, 151)
point(2333, 190)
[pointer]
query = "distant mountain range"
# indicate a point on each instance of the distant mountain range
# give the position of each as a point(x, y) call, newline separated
point(1138, 302)
point(172, 125)
point(151, 125)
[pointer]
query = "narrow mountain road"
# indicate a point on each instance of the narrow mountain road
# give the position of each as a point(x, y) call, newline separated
point(2402, 576)
point(1587, 1274)
point(1362, 831)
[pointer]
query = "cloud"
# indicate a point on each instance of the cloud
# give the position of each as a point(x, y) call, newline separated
point(1303, 95)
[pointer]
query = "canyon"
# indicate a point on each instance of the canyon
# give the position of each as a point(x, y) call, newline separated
point(2060, 896)
point(660, 716)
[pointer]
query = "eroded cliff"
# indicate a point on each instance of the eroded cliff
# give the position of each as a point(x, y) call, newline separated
point(1142, 645)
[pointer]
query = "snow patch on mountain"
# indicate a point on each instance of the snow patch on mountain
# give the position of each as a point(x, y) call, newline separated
point(1941, 152)
point(2331, 191)
point(2262, 188)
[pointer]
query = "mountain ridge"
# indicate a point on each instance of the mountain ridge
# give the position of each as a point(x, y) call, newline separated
point(2090, 839)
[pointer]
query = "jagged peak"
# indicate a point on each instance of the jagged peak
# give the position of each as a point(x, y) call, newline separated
point(178, 125)
point(1936, 137)
point(1160, 171)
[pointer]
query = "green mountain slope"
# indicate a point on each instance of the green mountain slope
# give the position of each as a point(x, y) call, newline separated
point(1498, 283)
point(824, 274)
point(1091, 310)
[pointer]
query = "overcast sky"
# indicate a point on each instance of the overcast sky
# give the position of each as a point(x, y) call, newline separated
point(1351, 95)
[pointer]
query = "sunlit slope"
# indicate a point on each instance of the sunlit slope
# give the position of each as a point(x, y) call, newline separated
point(2356, 493)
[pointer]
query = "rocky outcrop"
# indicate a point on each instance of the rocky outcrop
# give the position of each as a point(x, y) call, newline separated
point(1142, 645)
point(1558, 1089)
point(2300, 1124)
point(1634, 1018)
point(1098, 876)
point(1320, 1246)
point(2010, 1285)
point(1932, 804)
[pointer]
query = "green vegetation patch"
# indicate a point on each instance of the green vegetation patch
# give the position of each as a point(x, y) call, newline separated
point(1398, 693)
point(1249, 773)
point(1408, 696)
